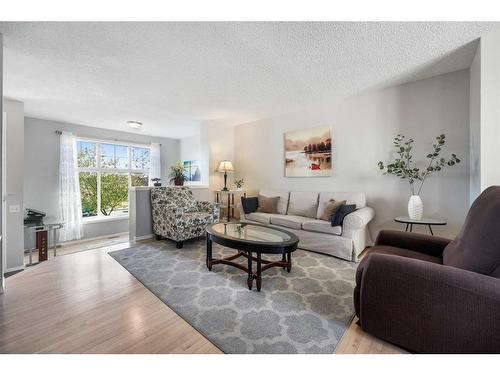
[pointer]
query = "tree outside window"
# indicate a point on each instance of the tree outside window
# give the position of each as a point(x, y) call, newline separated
point(106, 173)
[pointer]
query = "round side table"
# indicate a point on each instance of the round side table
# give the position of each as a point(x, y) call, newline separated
point(425, 221)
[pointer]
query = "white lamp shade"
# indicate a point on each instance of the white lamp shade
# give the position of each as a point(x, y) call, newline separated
point(225, 166)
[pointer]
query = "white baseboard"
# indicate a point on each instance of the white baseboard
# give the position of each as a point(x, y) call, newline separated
point(146, 237)
point(13, 269)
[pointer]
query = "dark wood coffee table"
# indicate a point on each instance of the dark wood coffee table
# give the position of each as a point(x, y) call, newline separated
point(249, 239)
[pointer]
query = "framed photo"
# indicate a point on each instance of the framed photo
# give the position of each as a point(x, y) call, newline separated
point(308, 152)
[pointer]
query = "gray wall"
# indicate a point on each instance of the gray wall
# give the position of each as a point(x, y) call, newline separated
point(2, 259)
point(14, 235)
point(41, 179)
point(363, 128)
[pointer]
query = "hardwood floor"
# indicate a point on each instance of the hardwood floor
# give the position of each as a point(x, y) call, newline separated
point(85, 302)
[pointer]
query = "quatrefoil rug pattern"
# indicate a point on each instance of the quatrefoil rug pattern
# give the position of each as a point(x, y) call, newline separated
point(304, 311)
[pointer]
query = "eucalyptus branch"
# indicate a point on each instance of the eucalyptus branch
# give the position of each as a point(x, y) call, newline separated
point(402, 165)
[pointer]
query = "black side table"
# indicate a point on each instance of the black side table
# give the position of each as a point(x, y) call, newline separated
point(424, 221)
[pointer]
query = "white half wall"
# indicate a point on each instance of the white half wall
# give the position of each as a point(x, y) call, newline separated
point(363, 128)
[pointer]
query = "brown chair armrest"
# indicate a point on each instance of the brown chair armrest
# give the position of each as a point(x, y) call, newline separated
point(428, 307)
point(423, 243)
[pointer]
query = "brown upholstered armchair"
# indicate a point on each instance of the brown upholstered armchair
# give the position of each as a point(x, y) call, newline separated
point(433, 295)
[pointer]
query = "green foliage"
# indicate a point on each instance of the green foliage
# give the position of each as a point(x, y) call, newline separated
point(404, 167)
point(178, 173)
point(88, 191)
point(239, 183)
point(114, 192)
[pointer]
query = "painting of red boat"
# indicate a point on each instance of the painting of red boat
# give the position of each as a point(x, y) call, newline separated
point(308, 152)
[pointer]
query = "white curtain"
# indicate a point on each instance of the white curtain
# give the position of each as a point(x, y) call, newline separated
point(155, 164)
point(69, 185)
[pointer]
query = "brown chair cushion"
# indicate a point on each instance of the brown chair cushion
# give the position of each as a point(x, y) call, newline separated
point(268, 205)
point(330, 209)
point(477, 246)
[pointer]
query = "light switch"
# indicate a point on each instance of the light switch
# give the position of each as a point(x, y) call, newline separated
point(13, 208)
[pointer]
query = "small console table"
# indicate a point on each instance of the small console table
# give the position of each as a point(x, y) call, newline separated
point(424, 221)
point(230, 197)
point(41, 233)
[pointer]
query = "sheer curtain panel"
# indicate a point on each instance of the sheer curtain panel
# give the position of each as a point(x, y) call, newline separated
point(69, 185)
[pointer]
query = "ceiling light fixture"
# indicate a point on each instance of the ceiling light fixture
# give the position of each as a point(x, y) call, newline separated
point(134, 124)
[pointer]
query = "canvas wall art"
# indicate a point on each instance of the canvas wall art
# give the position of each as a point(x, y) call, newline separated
point(308, 152)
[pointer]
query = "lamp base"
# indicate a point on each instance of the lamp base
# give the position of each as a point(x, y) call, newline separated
point(225, 189)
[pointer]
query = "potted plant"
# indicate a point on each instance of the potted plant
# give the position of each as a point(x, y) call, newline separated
point(156, 181)
point(239, 183)
point(403, 166)
point(177, 174)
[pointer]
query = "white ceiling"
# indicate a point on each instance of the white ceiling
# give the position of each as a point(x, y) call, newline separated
point(172, 76)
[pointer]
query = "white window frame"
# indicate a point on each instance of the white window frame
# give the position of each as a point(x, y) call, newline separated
point(100, 170)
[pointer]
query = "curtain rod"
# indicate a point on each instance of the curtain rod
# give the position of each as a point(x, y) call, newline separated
point(59, 132)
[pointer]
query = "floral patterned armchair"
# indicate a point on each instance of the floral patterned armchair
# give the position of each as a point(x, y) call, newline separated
point(178, 216)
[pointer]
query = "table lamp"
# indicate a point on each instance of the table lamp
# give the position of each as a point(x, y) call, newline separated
point(225, 166)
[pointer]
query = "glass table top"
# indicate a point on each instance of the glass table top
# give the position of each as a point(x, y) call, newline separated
point(250, 232)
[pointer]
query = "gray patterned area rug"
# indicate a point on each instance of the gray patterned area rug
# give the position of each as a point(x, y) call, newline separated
point(305, 311)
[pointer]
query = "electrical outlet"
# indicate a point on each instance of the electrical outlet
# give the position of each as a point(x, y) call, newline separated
point(14, 208)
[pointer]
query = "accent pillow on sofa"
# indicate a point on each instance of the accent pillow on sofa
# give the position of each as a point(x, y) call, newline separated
point(268, 205)
point(331, 209)
point(342, 212)
point(249, 204)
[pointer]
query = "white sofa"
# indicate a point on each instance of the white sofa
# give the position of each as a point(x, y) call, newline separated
point(298, 213)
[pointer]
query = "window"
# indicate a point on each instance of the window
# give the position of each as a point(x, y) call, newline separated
point(106, 171)
point(193, 172)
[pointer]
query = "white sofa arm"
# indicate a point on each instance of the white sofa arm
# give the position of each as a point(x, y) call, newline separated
point(239, 206)
point(358, 219)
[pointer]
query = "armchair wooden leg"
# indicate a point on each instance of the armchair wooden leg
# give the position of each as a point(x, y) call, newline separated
point(158, 237)
point(179, 244)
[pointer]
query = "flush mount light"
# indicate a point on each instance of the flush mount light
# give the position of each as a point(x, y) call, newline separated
point(134, 124)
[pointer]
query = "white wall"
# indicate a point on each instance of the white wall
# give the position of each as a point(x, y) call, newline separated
point(475, 125)
point(363, 128)
point(41, 177)
point(490, 109)
point(2, 254)
point(14, 235)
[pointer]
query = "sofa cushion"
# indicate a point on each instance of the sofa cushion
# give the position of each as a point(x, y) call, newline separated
point(303, 203)
point(331, 209)
point(268, 204)
point(321, 226)
point(260, 217)
point(351, 198)
point(249, 204)
point(282, 202)
point(289, 221)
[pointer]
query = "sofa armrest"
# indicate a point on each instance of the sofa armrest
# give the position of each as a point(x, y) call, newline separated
point(423, 243)
point(430, 308)
point(239, 206)
point(358, 219)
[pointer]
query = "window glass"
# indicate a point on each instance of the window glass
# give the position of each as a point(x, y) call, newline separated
point(140, 158)
point(139, 179)
point(114, 156)
point(86, 154)
point(114, 192)
point(88, 190)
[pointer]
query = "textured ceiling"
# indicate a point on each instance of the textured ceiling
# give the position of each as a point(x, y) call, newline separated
point(172, 76)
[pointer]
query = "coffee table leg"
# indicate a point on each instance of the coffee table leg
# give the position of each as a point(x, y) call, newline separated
point(283, 259)
point(209, 253)
point(259, 271)
point(432, 234)
point(288, 262)
point(250, 272)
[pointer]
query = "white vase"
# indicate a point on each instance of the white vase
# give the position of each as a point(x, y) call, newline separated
point(415, 208)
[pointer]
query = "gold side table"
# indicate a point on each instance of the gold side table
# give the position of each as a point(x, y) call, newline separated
point(229, 196)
